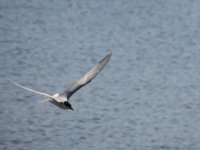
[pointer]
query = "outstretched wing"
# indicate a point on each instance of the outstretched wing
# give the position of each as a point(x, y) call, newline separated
point(34, 91)
point(91, 74)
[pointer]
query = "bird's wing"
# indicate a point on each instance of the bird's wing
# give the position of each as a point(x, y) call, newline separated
point(31, 90)
point(91, 74)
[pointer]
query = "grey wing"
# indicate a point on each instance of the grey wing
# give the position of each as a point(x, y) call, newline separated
point(91, 74)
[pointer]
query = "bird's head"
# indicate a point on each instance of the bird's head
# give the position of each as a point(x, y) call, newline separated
point(68, 105)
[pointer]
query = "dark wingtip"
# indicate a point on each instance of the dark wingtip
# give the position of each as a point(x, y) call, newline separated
point(109, 55)
point(109, 52)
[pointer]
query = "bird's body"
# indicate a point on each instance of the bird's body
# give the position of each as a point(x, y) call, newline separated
point(62, 103)
point(62, 99)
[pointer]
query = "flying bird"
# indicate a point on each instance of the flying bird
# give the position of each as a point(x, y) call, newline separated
point(62, 99)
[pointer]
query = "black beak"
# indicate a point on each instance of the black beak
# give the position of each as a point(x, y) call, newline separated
point(71, 108)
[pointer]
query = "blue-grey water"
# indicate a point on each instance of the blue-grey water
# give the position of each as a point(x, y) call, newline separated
point(146, 98)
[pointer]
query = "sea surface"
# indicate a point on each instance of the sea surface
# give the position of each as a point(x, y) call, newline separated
point(146, 98)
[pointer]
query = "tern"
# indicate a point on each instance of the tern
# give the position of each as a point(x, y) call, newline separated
point(62, 99)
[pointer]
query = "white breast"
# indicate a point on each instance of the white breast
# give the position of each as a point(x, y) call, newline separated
point(56, 95)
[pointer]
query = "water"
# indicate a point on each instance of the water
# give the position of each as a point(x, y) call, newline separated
point(147, 97)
